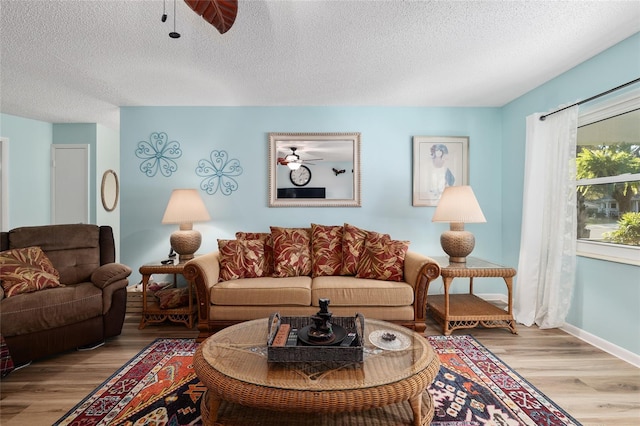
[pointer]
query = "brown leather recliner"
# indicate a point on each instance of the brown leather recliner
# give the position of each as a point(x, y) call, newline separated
point(87, 310)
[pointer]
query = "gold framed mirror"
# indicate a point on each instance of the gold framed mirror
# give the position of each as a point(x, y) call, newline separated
point(110, 190)
point(314, 170)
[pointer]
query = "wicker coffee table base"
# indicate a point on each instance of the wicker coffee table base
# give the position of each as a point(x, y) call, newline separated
point(222, 387)
point(427, 410)
point(210, 405)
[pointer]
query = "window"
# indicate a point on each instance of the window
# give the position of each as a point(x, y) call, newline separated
point(608, 179)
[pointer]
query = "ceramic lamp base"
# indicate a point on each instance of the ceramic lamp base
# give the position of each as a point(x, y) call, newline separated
point(457, 242)
point(185, 242)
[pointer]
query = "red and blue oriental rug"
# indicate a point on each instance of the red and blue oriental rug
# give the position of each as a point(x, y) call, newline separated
point(474, 387)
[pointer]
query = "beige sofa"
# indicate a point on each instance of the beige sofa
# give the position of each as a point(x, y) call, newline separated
point(222, 303)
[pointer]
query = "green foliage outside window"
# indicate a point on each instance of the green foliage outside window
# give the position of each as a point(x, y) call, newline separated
point(594, 162)
point(628, 231)
point(600, 161)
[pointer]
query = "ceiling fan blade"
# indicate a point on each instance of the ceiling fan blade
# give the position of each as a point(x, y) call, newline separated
point(219, 13)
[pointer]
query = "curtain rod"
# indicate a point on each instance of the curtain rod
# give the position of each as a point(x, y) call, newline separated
point(542, 117)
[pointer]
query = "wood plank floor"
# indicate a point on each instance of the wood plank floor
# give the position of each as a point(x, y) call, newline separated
point(591, 385)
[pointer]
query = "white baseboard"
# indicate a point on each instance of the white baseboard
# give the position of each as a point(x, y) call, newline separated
point(489, 297)
point(592, 339)
point(605, 345)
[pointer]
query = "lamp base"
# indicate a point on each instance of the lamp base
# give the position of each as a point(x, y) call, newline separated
point(185, 242)
point(457, 242)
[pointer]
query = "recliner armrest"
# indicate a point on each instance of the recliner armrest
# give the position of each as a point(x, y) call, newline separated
point(110, 273)
point(110, 278)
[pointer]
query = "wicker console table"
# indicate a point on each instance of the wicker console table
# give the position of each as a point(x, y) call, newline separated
point(233, 365)
point(468, 310)
point(151, 312)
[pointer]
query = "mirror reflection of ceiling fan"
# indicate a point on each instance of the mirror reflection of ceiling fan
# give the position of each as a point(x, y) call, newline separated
point(293, 160)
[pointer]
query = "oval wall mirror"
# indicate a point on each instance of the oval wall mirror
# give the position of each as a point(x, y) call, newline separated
point(314, 169)
point(110, 190)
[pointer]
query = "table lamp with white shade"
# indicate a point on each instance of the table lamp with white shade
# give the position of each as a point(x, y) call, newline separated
point(458, 205)
point(185, 207)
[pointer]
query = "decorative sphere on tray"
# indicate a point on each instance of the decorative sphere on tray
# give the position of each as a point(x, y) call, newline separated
point(388, 337)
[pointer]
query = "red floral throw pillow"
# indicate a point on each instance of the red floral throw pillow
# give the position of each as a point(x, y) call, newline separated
point(171, 298)
point(291, 251)
point(230, 263)
point(352, 248)
point(326, 247)
point(382, 258)
point(241, 259)
point(265, 237)
point(253, 258)
point(26, 270)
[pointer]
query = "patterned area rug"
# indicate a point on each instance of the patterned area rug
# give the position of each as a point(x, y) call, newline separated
point(473, 387)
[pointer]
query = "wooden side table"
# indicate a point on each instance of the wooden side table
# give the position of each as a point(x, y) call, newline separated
point(468, 310)
point(151, 312)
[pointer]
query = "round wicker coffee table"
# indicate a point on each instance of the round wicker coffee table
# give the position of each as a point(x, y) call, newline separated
point(233, 365)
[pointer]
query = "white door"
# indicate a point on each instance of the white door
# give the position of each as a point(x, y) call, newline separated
point(69, 183)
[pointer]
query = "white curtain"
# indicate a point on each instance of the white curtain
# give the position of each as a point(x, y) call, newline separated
point(546, 270)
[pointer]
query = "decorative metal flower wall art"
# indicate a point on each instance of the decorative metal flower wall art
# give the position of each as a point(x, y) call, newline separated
point(158, 155)
point(218, 172)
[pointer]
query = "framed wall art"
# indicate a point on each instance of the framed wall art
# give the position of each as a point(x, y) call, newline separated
point(314, 170)
point(438, 162)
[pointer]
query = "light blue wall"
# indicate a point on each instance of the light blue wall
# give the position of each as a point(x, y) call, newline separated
point(29, 170)
point(607, 296)
point(107, 158)
point(386, 157)
point(606, 301)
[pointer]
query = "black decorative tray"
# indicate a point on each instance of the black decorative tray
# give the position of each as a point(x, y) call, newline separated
point(304, 352)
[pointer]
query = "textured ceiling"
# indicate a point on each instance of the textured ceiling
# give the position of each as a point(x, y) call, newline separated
point(78, 61)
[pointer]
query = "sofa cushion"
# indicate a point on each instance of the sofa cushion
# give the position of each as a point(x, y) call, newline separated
point(50, 308)
point(241, 259)
point(351, 291)
point(266, 239)
point(295, 291)
point(26, 270)
point(382, 258)
point(291, 251)
point(352, 248)
point(326, 249)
